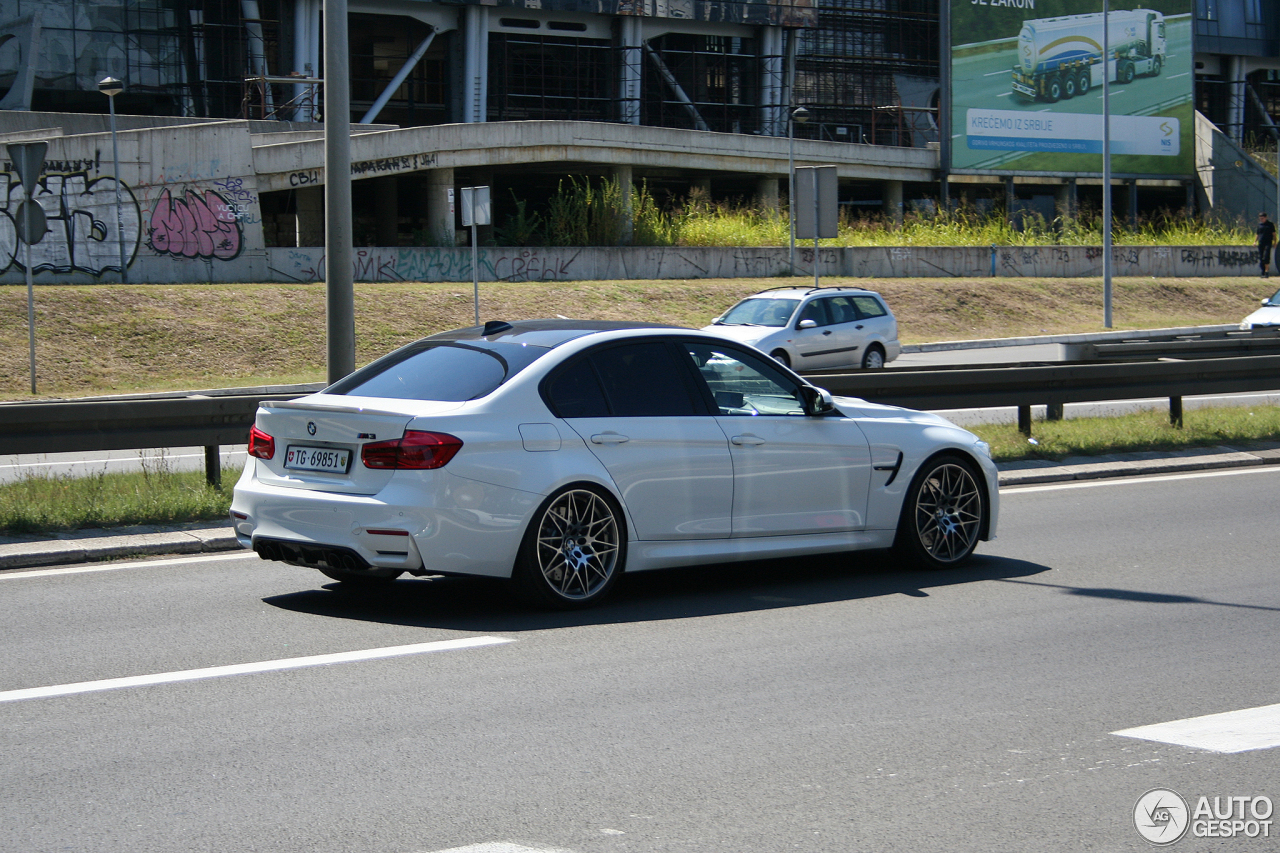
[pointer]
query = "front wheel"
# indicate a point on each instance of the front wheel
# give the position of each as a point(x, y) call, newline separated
point(943, 514)
point(1053, 89)
point(781, 357)
point(573, 551)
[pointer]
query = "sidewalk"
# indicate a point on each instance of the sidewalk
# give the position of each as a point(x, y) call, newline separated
point(80, 546)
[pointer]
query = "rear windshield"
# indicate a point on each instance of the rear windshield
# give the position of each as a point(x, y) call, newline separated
point(447, 371)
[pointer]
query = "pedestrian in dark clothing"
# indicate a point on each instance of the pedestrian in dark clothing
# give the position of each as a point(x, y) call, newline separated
point(1266, 239)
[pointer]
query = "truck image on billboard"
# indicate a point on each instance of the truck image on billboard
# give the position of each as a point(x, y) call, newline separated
point(1059, 57)
point(1032, 102)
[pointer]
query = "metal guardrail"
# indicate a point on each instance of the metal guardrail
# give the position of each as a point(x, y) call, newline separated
point(215, 418)
point(1054, 385)
point(1264, 340)
point(209, 419)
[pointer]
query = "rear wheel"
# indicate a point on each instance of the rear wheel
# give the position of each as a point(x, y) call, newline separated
point(1068, 87)
point(573, 551)
point(943, 514)
point(1085, 82)
point(1124, 73)
point(781, 357)
point(873, 358)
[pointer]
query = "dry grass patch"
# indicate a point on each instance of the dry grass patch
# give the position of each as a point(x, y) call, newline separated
point(112, 338)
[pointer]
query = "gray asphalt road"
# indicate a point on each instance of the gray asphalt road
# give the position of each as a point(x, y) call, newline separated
point(838, 705)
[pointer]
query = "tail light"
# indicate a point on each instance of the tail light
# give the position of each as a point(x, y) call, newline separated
point(261, 445)
point(417, 451)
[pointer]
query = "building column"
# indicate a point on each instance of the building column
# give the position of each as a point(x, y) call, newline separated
point(309, 206)
point(1235, 97)
point(440, 208)
point(475, 65)
point(622, 174)
point(767, 193)
point(631, 73)
point(386, 212)
point(893, 203)
point(772, 83)
point(1066, 199)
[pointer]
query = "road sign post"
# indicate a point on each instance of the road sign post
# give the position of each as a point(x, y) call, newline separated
point(28, 161)
point(817, 208)
point(476, 211)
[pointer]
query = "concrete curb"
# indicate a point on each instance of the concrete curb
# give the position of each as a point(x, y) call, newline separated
point(84, 546)
point(1137, 464)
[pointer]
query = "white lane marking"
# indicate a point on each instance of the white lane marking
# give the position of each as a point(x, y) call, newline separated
point(248, 668)
point(1137, 480)
point(1233, 731)
point(16, 574)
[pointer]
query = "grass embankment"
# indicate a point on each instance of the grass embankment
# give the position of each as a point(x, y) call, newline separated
point(120, 339)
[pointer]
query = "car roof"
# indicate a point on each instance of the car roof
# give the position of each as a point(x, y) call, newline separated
point(542, 333)
point(798, 291)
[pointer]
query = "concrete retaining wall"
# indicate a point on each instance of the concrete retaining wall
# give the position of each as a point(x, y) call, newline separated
point(499, 264)
point(591, 264)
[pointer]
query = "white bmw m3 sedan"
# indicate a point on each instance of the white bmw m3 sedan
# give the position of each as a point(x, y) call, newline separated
point(561, 453)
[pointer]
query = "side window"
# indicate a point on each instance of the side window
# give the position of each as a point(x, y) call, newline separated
point(643, 381)
point(745, 384)
point(815, 311)
point(575, 392)
point(842, 309)
point(869, 306)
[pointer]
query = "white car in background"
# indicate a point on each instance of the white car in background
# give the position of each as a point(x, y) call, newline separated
point(815, 328)
point(563, 453)
point(1267, 315)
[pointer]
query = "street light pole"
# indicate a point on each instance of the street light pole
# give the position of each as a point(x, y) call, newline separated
point(1106, 163)
point(111, 87)
point(797, 116)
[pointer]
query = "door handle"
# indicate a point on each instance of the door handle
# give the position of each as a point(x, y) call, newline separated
point(609, 438)
point(827, 332)
point(747, 440)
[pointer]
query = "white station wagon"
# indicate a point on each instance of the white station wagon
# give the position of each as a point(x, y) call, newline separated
point(815, 328)
point(563, 453)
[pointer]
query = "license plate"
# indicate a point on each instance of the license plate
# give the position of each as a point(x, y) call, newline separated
point(300, 458)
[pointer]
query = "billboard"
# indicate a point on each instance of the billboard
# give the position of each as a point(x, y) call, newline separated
point(1027, 78)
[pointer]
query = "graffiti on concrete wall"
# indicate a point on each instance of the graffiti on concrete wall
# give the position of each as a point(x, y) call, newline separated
point(84, 230)
point(1208, 260)
point(431, 264)
point(201, 224)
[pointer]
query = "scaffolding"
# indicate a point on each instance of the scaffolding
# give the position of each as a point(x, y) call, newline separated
point(848, 70)
point(217, 58)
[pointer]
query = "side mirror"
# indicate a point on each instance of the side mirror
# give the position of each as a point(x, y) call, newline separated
point(806, 324)
point(816, 401)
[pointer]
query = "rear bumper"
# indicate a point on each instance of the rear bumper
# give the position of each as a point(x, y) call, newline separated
point(449, 525)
